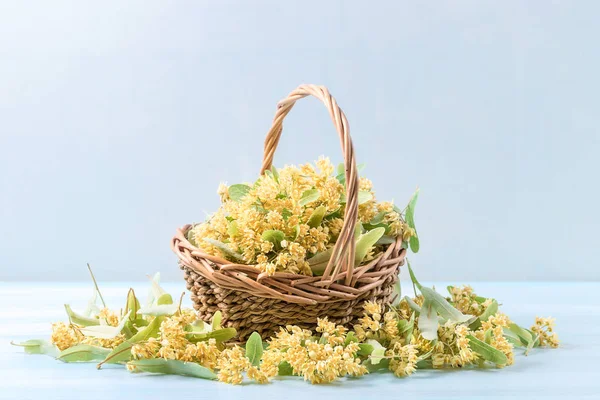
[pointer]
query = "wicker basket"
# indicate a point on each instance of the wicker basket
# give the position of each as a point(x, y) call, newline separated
point(253, 301)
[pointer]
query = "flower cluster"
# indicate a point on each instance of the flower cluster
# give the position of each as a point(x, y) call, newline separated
point(288, 216)
point(461, 330)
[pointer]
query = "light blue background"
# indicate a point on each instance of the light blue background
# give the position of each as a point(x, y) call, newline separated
point(119, 119)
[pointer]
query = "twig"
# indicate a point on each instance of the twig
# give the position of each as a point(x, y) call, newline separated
point(96, 285)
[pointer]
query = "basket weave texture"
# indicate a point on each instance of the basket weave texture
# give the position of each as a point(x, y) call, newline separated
point(251, 300)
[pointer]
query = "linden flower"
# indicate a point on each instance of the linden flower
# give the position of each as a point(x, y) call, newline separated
point(275, 203)
point(64, 336)
point(544, 328)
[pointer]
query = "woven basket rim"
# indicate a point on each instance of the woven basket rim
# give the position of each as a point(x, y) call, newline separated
point(293, 288)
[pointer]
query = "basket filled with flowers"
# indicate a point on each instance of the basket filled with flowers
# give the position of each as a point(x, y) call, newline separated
point(300, 243)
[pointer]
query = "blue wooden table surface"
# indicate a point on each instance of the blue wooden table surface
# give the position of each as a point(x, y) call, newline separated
point(569, 372)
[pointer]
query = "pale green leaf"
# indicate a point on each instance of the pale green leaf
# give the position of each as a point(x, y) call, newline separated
point(38, 346)
point(172, 367)
point(386, 240)
point(155, 290)
point(232, 228)
point(238, 191)
point(273, 236)
point(413, 278)
point(132, 305)
point(223, 248)
point(442, 306)
point(83, 353)
point(523, 334)
point(92, 308)
point(410, 220)
point(123, 351)
point(414, 306)
point(164, 299)
point(254, 349)
point(275, 173)
point(105, 331)
point(428, 320)
point(486, 351)
point(317, 217)
point(309, 196)
point(79, 319)
point(364, 196)
point(216, 320)
point(365, 242)
point(396, 293)
point(158, 310)
point(377, 353)
point(220, 335)
point(492, 309)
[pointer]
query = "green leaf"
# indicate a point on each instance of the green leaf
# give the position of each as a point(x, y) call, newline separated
point(413, 278)
point(275, 173)
point(173, 367)
point(319, 261)
point(378, 218)
point(364, 196)
point(216, 320)
point(486, 351)
point(79, 319)
point(285, 213)
point(492, 309)
point(513, 337)
point(220, 335)
point(365, 349)
point(414, 243)
point(428, 321)
point(132, 305)
point(386, 240)
point(123, 351)
point(254, 349)
point(396, 293)
point(524, 336)
point(155, 290)
point(285, 369)
point(350, 337)
point(442, 306)
point(232, 228)
point(382, 365)
point(377, 352)
point(317, 217)
point(365, 242)
point(38, 346)
point(410, 220)
point(226, 250)
point(309, 196)
point(238, 192)
point(164, 299)
point(273, 236)
point(83, 353)
point(414, 306)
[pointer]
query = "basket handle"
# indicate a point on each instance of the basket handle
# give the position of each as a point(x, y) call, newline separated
point(342, 258)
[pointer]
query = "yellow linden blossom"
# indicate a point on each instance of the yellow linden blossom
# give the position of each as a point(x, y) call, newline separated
point(544, 328)
point(232, 363)
point(452, 348)
point(64, 336)
point(109, 316)
point(404, 359)
point(275, 203)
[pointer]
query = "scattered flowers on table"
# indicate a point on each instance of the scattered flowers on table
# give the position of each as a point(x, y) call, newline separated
point(426, 331)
